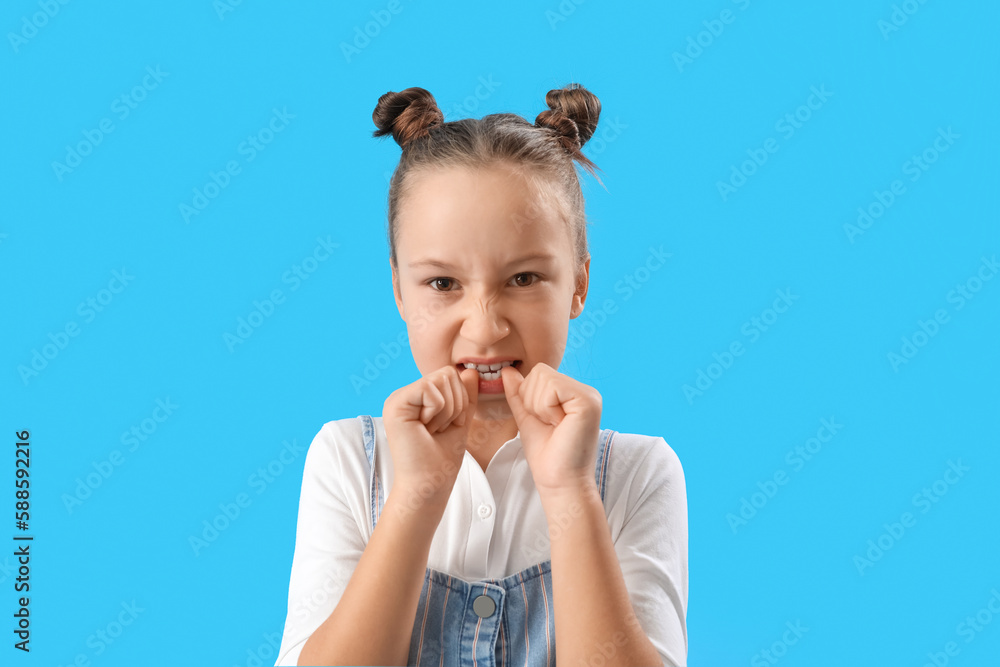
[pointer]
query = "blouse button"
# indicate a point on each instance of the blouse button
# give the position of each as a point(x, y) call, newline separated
point(485, 511)
point(484, 606)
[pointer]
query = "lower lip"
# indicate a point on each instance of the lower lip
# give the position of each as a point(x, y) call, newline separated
point(491, 386)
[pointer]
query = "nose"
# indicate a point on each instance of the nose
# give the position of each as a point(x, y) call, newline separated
point(483, 322)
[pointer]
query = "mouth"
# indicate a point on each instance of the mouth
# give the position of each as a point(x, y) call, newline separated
point(489, 372)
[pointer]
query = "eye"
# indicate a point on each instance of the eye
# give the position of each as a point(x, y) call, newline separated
point(535, 276)
point(434, 281)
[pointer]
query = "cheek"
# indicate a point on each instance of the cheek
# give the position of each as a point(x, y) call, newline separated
point(428, 314)
point(544, 330)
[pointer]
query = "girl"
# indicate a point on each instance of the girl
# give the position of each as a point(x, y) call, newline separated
point(486, 518)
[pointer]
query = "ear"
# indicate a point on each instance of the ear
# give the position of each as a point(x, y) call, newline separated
point(396, 290)
point(582, 285)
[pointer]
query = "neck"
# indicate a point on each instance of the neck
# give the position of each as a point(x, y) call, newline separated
point(489, 430)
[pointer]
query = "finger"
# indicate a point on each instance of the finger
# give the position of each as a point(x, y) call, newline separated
point(432, 400)
point(461, 398)
point(470, 380)
point(529, 394)
point(457, 396)
point(540, 386)
point(415, 402)
point(549, 404)
point(512, 381)
point(442, 419)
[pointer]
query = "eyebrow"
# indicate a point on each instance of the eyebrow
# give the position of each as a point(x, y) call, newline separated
point(445, 265)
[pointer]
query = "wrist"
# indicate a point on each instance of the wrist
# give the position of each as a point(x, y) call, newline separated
point(420, 500)
point(568, 499)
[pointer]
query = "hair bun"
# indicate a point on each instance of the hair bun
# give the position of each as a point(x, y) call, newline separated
point(407, 115)
point(573, 113)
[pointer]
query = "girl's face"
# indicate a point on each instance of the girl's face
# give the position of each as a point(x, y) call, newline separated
point(485, 271)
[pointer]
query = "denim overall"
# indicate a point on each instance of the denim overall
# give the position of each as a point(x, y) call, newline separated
point(488, 623)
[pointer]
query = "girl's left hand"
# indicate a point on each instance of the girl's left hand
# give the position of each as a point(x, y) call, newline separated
point(559, 419)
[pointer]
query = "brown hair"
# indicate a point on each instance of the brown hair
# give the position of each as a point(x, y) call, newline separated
point(543, 152)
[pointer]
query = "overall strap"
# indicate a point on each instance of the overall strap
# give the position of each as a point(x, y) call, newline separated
point(374, 484)
point(602, 465)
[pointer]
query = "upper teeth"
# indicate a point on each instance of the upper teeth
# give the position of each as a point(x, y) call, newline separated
point(484, 368)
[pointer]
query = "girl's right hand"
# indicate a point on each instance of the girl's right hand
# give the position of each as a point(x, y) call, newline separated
point(427, 424)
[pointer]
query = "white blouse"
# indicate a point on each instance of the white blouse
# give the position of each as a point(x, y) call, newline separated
point(493, 526)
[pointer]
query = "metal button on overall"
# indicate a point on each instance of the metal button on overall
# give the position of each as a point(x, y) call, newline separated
point(484, 606)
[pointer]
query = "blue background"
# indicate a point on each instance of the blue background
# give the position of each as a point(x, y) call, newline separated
point(671, 130)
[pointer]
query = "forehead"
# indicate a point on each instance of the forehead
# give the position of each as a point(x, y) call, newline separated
point(492, 209)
